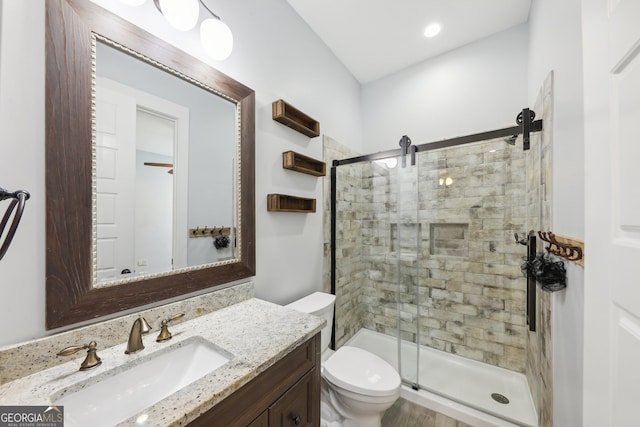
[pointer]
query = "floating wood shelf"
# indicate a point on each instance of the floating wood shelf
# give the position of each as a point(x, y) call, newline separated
point(299, 163)
point(295, 119)
point(284, 203)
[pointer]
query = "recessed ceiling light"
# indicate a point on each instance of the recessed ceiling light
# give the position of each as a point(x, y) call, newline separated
point(432, 30)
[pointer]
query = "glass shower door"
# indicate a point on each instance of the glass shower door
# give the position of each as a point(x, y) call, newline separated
point(406, 232)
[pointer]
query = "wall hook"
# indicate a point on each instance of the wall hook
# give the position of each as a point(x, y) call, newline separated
point(522, 241)
point(209, 232)
point(565, 250)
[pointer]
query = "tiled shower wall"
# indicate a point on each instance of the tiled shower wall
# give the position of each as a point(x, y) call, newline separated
point(461, 289)
point(460, 281)
point(539, 362)
point(350, 269)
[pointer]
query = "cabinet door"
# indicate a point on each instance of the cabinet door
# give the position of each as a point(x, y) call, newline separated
point(261, 421)
point(297, 406)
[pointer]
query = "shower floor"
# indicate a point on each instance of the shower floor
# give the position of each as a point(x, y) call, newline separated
point(461, 380)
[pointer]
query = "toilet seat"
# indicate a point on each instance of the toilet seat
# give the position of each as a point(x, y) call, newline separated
point(361, 372)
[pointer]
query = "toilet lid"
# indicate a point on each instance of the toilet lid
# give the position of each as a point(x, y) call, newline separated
point(361, 372)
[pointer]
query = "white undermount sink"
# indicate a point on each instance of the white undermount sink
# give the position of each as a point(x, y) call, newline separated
point(114, 398)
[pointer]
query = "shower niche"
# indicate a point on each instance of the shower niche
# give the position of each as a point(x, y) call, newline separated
point(449, 239)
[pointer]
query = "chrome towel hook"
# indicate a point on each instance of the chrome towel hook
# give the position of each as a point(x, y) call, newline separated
point(18, 201)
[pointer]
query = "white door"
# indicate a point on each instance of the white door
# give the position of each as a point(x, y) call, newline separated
point(611, 30)
point(115, 181)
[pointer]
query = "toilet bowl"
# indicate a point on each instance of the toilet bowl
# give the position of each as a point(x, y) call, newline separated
point(357, 385)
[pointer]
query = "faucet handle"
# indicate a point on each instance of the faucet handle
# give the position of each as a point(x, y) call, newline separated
point(91, 361)
point(164, 334)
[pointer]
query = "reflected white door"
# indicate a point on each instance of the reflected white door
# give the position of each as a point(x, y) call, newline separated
point(115, 180)
point(120, 126)
point(612, 261)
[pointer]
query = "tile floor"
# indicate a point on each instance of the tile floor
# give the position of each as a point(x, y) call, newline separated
point(407, 414)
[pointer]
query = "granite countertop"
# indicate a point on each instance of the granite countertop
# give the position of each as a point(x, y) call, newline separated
point(256, 333)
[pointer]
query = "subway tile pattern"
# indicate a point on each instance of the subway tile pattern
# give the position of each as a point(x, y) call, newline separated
point(452, 245)
point(461, 289)
point(539, 369)
point(349, 275)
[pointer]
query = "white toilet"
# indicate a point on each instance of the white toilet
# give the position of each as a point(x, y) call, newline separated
point(358, 385)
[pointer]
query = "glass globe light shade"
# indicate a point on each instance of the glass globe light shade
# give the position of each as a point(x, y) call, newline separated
point(133, 2)
point(181, 14)
point(216, 38)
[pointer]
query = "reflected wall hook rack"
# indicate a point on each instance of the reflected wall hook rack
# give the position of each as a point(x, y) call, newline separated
point(565, 247)
point(209, 232)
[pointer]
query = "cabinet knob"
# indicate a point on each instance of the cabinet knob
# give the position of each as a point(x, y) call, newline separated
point(296, 419)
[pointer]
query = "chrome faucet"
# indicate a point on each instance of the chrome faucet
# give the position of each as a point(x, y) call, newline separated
point(140, 327)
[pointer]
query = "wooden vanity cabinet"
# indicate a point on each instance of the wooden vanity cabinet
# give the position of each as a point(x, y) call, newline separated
point(286, 394)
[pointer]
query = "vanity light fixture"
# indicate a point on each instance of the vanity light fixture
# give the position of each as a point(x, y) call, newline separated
point(180, 14)
point(215, 35)
point(432, 30)
point(216, 38)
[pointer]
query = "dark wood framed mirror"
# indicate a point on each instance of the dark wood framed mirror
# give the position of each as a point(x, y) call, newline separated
point(72, 28)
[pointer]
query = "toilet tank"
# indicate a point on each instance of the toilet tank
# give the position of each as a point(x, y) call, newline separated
point(319, 304)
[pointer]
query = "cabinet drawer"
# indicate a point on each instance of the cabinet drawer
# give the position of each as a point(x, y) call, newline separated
point(297, 406)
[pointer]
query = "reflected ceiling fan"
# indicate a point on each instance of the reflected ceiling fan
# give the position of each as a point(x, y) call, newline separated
point(161, 165)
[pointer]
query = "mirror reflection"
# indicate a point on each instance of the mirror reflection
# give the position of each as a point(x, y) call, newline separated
point(166, 170)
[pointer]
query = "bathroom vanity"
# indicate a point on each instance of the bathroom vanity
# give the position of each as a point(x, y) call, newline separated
point(287, 394)
point(270, 375)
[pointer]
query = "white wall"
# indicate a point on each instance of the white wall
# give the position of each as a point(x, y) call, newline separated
point(275, 54)
point(479, 87)
point(22, 270)
point(556, 44)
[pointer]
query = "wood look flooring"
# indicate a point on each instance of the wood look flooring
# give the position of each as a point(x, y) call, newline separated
point(407, 414)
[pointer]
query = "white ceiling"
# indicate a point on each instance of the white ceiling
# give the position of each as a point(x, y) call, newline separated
point(375, 38)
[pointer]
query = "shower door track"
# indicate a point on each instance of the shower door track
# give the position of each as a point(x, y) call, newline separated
point(524, 127)
point(536, 126)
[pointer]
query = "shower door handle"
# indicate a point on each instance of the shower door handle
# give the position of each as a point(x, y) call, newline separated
point(531, 285)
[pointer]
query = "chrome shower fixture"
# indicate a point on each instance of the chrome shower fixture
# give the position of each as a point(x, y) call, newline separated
point(511, 140)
